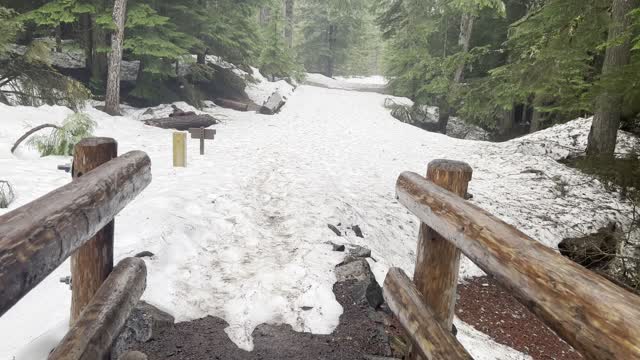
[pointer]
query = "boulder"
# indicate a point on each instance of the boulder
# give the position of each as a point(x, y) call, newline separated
point(358, 251)
point(365, 289)
point(145, 322)
point(459, 129)
point(273, 104)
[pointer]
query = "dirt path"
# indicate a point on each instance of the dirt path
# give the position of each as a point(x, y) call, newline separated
point(489, 308)
point(363, 333)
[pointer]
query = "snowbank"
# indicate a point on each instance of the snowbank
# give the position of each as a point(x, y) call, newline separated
point(241, 233)
point(364, 84)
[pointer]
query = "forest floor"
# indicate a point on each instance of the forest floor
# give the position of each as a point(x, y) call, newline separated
point(241, 233)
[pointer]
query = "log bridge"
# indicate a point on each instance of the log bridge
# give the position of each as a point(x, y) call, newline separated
point(76, 220)
point(598, 318)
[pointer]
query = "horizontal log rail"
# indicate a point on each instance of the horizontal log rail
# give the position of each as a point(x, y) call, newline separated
point(430, 337)
point(100, 322)
point(36, 238)
point(598, 318)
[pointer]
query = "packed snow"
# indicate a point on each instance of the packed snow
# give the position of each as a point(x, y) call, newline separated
point(241, 233)
point(366, 84)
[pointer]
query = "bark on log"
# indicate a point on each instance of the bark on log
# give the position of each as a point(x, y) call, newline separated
point(112, 99)
point(36, 238)
point(432, 340)
point(183, 123)
point(598, 318)
point(438, 260)
point(93, 261)
point(31, 132)
point(231, 104)
point(91, 336)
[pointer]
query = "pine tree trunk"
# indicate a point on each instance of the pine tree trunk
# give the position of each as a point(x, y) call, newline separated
point(86, 39)
point(112, 100)
point(506, 123)
point(330, 59)
point(202, 58)
point(59, 38)
point(265, 15)
point(444, 112)
point(98, 58)
point(466, 28)
point(288, 28)
point(536, 121)
point(604, 130)
point(100, 43)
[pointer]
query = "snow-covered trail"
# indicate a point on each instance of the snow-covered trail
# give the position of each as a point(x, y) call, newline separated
point(241, 233)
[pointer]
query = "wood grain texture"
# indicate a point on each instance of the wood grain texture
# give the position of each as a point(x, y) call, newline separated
point(429, 337)
point(438, 260)
point(93, 261)
point(91, 336)
point(598, 318)
point(36, 238)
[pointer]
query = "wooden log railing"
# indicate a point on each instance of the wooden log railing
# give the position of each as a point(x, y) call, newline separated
point(598, 318)
point(95, 330)
point(430, 337)
point(38, 237)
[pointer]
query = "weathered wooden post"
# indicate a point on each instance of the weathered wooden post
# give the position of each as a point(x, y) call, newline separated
point(179, 149)
point(438, 262)
point(202, 134)
point(92, 263)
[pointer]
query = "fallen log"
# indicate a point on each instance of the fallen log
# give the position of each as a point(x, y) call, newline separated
point(91, 336)
point(596, 317)
point(231, 104)
point(183, 123)
point(36, 238)
point(428, 335)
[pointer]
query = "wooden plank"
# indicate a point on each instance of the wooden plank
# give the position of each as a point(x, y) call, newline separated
point(179, 149)
point(93, 261)
point(429, 337)
point(36, 238)
point(207, 134)
point(598, 318)
point(91, 336)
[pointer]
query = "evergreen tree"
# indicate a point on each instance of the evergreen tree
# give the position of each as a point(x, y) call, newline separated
point(26, 75)
point(277, 60)
point(329, 28)
point(606, 122)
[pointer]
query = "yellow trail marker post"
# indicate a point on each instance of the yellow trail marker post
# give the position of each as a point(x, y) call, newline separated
point(179, 149)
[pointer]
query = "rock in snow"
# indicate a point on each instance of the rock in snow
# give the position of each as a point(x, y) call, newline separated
point(274, 103)
point(366, 289)
point(145, 321)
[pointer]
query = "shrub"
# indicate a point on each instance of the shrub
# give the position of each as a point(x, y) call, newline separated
point(61, 141)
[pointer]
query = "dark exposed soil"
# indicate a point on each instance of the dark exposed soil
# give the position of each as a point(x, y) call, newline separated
point(489, 308)
point(362, 332)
